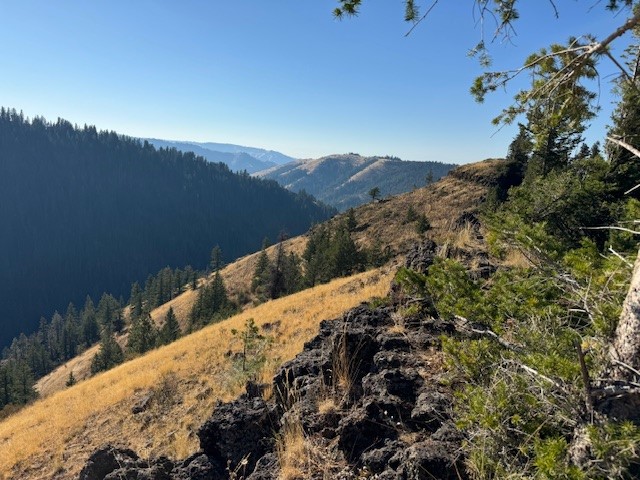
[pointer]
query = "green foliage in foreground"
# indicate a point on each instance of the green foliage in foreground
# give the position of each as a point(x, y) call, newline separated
point(521, 400)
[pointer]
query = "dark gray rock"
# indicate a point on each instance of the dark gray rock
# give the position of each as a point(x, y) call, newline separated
point(266, 468)
point(105, 460)
point(198, 467)
point(142, 404)
point(428, 460)
point(421, 256)
point(377, 460)
point(388, 419)
point(359, 432)
point(430, 410)
point(239, 431)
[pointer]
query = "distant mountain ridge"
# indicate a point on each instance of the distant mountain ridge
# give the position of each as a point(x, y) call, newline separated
point(237, 157)
point(344, 181)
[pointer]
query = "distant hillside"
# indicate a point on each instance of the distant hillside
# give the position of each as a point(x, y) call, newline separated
point(83, 212)
point(259, 153)
point(236, 157)
point(344, 181)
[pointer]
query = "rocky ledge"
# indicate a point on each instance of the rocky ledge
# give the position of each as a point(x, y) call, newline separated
point(367, 398)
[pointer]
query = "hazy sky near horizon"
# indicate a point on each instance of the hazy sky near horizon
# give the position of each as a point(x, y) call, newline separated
point(283, 74)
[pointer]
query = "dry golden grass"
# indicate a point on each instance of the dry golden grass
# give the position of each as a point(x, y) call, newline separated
point(442, 203)
point(514, 258)
point(53, 437)
point(301, 457)
point(293, 451)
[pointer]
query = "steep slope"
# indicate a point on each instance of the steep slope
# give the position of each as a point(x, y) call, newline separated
point(345, 180)
point(237, 161)
point(443, 203)
point(86, 212)
point(54, 437)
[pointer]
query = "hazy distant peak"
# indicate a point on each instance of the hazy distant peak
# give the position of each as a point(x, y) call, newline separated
point(236, 157)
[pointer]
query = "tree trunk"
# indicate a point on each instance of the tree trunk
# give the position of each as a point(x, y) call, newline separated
point(624, 355)
point(626, 342)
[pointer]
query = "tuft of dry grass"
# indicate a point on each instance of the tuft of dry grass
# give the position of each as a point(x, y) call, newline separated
point(301, 456)
point(514, 258)
point(71, 423)
point(293, 451)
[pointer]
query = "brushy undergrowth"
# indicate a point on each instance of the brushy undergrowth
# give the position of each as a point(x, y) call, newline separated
point(520, 394)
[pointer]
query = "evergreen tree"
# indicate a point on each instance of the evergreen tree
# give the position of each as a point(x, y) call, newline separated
point(422, 225)
point(293, 279)
point(276, 286)
point(625, 166)
point(71, 332)
point(135, 300)
point(352, 223)
point(318, 268)
point(216, 259)
point(212, 304)
point(108, 313)
point(90, 329)
point(261, 275)
point(142, 335)
point(109, 355)
point(374, 193)
point(429, 178)
point(170, 331)
point(189, 276)
point(344, 254)
point(23, 383)
point(6, 385)
point(376, 255)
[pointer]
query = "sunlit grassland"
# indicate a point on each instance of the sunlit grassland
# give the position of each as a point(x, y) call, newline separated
point(53, 437)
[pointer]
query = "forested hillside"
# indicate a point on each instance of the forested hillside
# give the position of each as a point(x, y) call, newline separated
point(83, 212)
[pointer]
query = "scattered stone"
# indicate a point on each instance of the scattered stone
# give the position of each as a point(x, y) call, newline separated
point(105, 460)
point(142, 404)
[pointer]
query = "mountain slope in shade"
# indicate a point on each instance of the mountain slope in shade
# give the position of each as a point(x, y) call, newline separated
point(86, 212)
point(344, 181)
point(236, 157)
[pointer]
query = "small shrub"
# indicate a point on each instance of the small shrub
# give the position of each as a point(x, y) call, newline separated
point(423, 225)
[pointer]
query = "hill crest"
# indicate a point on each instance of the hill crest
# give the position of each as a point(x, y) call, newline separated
point(344, 180)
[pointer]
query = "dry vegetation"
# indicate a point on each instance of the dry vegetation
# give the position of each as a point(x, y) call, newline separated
point(53, 437)
point(384, 221)
point(442, 203)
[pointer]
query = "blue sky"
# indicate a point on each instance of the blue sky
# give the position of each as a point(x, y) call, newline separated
point(279, 74)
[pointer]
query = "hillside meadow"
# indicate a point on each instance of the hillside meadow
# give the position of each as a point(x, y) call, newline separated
point(53, 437)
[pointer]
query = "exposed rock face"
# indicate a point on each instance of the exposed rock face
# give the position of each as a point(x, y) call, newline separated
point(112, 463)
point(421, 256)
point(366, 396)
point(239, 432)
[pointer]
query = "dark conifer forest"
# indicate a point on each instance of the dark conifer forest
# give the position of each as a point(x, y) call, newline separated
point(85, 211)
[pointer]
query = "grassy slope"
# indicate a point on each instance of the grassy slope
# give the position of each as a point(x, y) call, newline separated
point(53, 437)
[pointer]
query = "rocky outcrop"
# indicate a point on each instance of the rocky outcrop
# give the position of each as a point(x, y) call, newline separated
point(365, 398)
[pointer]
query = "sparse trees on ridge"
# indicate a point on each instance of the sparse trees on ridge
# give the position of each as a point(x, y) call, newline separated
point(374, 193)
